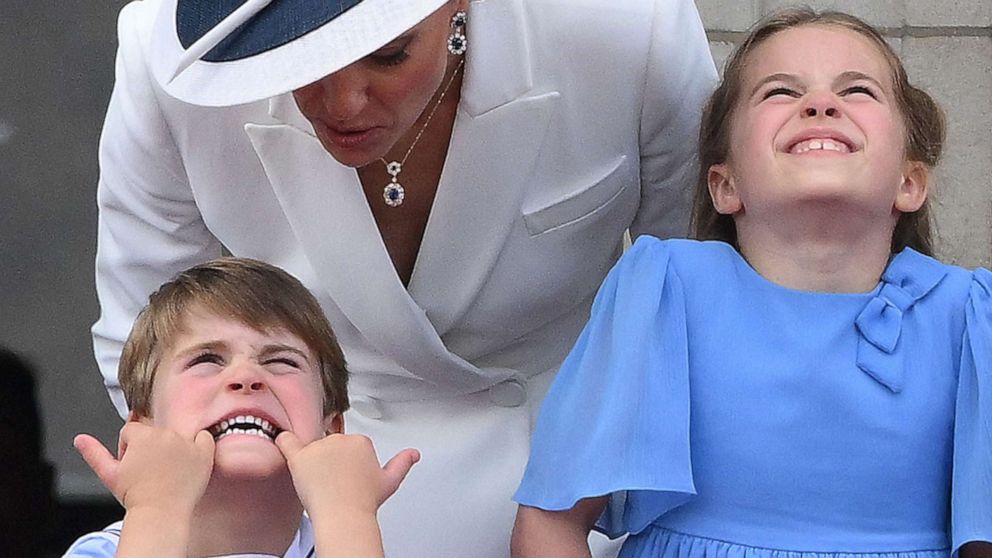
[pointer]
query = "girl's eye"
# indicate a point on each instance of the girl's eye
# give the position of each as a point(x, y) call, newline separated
point(205, 358)
point(390, 58)
point(862, 89)
point(775, 91)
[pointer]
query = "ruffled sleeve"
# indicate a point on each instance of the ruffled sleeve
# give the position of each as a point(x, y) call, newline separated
point(616, 419)
point(971, 498)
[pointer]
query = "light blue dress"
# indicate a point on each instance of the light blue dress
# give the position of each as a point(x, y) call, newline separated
point(728, 416)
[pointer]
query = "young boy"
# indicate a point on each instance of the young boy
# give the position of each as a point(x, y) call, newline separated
point(236, 387)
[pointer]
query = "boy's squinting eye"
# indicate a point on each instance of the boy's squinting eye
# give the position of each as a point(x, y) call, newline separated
point(281, 362)
point(205, 358)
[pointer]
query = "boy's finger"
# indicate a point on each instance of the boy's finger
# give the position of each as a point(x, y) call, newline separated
point(98, 458)
point(204, 441)
point(121, 443)
point(396, 469)
point(130, 430)
point(288, 443)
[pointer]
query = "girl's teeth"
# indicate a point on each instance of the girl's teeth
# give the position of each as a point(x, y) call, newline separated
point(819, 145)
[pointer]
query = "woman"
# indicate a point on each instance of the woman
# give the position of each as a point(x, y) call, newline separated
point(452, 180)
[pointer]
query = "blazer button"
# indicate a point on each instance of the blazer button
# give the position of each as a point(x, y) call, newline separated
point(367, 407)
point(509, 393)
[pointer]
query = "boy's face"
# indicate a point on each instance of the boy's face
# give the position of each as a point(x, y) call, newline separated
point(243, 386)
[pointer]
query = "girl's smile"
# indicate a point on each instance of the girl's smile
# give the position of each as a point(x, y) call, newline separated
point(820, 139)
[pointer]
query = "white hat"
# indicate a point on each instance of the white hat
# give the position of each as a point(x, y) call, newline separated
point(228, 52)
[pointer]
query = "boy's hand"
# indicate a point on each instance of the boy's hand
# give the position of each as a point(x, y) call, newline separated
point(155, 468)
point(341, 472)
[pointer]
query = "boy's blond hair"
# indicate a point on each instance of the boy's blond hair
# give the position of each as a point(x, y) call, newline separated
point(254, 293)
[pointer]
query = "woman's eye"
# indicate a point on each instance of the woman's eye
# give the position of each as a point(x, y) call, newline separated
point(390, 58)
point(780, 91)
point(862, 89)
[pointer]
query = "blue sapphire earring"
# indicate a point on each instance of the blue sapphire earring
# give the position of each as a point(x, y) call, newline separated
point(457, 43)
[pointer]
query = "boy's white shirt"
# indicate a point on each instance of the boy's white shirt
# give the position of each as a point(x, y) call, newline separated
point(103, 544)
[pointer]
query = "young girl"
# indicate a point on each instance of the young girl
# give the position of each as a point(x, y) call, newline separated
point(815, 384)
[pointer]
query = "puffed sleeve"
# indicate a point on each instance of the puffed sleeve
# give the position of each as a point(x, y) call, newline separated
point(616, 419)
point(149, 225)
point(971, 498)
point(680, 77)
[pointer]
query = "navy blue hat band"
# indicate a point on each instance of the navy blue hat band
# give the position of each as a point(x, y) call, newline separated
point(278, 23)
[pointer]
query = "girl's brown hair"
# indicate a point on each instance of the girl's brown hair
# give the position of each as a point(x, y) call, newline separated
point(923, 119)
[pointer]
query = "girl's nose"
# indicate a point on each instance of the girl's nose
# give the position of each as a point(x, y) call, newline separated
point(820, 104)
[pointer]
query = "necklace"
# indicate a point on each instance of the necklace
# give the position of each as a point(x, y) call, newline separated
point(393, 193)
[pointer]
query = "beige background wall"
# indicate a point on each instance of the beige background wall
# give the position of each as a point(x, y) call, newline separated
point(56, 71)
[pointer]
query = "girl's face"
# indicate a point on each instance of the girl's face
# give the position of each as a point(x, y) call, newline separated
point(817, 121)
point(362, 110)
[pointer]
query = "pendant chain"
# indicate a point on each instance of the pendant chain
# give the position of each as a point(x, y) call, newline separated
point(393, 193)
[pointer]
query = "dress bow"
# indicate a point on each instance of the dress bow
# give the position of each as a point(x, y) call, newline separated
point(908, 279)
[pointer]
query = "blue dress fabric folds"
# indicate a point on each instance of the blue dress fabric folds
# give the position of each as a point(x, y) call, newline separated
point(728, 416)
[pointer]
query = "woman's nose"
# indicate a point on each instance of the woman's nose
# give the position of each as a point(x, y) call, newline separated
point(820, 104)
point(344, 93)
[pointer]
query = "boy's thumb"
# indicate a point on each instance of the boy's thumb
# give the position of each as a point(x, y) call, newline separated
point(288, 443)
point(204, 441)
point(103, 463)
point(397, 468)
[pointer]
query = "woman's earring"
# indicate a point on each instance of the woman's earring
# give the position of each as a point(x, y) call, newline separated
point(457, 43)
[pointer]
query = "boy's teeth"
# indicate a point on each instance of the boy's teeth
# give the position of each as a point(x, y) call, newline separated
point(245, 424)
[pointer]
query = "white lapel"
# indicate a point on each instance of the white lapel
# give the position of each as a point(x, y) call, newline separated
point(325, 206)
point(493, 149)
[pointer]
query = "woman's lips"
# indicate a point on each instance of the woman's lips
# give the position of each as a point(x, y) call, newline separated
point(348, 139)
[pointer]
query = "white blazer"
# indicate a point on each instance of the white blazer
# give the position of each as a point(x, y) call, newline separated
point(577, 121)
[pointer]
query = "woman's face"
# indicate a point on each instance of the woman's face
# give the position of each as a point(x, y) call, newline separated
point(361, 111)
